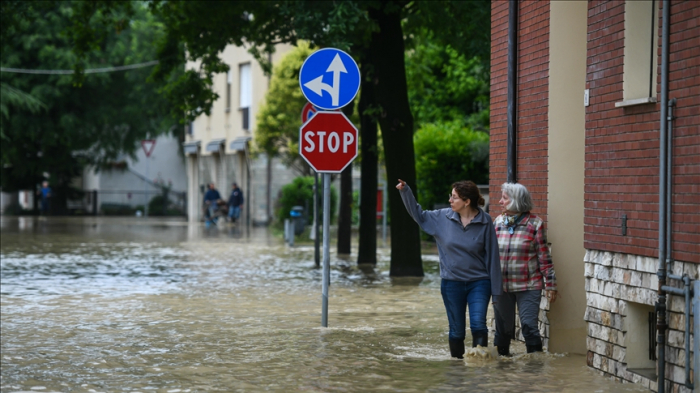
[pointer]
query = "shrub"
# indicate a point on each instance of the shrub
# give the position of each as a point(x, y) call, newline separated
point(117, 209)
point(157, 205)
point(447, 152)
point(15, 209)
point(300, 193)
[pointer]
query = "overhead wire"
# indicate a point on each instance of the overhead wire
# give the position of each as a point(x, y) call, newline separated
point(88, 71)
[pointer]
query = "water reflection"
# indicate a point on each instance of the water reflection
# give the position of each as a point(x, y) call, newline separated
point(125, 305)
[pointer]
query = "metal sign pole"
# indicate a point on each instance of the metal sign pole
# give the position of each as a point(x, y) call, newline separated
point(344, 70)
point(384, 198)
point(317, 254)
point(326, 246)
point(145, 189)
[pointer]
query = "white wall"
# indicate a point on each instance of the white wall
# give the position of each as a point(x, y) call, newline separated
point(125, 186)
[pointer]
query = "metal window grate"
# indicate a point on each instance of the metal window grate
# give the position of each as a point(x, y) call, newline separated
point(652, 336)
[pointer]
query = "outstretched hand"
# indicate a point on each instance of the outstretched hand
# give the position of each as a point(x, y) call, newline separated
point(401, 185)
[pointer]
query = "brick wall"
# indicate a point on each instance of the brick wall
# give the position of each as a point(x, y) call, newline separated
point(533, 102)
point(684, 85)
point(532, 106)
point(498, 171)
point(622, 144)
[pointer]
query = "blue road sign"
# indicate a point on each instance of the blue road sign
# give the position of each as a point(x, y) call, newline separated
point(329, 78)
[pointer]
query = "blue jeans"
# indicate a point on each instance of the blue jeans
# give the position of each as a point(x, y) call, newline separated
point(210, 214)
point(234, 212)
point(457, 295)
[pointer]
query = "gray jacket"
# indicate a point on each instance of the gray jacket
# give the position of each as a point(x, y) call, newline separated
point(466, 253)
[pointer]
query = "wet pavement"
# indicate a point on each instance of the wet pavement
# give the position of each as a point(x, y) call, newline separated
point(151, 305)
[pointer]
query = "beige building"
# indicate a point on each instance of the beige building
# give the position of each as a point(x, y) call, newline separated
point(217, 147)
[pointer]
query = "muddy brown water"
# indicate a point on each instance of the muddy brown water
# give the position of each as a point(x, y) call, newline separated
point(136, 305)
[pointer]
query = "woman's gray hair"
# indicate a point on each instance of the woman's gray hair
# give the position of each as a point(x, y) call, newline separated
point(520, 199)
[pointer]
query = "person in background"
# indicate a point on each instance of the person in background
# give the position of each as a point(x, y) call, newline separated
point(45, 194)
point(235, 202)
point(527, 269)
point(469, 264)
point(211, 201)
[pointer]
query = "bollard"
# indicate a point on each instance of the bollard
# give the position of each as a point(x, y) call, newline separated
point(289, 232)
point(94, 202)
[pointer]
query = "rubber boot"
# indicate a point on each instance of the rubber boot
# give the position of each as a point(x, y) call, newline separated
point(481, 339)
point(534, 348)
point(503, 346)
point(504, 350)
point(457, 348)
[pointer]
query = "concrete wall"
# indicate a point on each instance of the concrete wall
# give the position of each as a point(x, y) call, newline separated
point(127, 186)
point(566, 133)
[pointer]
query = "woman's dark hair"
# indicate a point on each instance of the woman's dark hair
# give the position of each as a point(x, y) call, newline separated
point(467, 190)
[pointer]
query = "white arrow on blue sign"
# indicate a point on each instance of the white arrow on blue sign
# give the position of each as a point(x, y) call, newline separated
point(329, 78)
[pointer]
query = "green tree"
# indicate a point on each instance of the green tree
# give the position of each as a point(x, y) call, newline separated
point(444, 85)
point(445, 153)
point(279, 118)
point(375, 32)
point(87, 124)
point(17, 98)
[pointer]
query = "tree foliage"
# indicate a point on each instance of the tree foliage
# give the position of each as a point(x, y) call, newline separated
point(279, 118)
point(446, 153)
point(445, 85)
point(198, 31)
point(91, 123)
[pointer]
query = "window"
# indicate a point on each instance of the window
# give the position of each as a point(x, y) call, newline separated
point(229, 81)
point(640, 55)
point(246, 94)
point(640, 341)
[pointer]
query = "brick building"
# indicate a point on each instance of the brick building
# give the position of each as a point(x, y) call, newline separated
point(582, 85)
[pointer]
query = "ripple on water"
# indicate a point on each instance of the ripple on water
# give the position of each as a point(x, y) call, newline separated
point(124, 307)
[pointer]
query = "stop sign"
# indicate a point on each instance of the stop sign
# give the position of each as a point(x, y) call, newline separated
point(328, 142)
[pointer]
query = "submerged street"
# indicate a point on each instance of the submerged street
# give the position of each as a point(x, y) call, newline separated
point(127, 304)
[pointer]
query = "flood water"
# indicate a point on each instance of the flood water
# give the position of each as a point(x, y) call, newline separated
point(136, 305)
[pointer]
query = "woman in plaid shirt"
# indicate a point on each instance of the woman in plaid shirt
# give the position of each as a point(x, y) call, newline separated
point(526, 268)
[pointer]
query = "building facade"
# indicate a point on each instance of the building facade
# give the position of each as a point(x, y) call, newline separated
point(581, 83)
point(217, 146)
point(135, 182)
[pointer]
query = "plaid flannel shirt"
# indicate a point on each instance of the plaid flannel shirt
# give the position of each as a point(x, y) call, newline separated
point(525, 258)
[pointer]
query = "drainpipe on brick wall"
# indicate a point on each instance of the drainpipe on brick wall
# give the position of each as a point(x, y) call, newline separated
point(663, 196)
point(512, 87)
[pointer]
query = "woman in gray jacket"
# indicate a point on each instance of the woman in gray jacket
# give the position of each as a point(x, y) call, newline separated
point(469, 264)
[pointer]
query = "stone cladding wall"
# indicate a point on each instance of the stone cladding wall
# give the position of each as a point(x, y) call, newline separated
point(613, 280)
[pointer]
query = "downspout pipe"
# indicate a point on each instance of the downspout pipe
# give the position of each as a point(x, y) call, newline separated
point(512, 88)
point(663, 196)
point(669, 180)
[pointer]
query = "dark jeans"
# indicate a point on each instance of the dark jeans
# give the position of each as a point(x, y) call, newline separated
point(234, 212)
point(457, 295)
point(529, 309)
